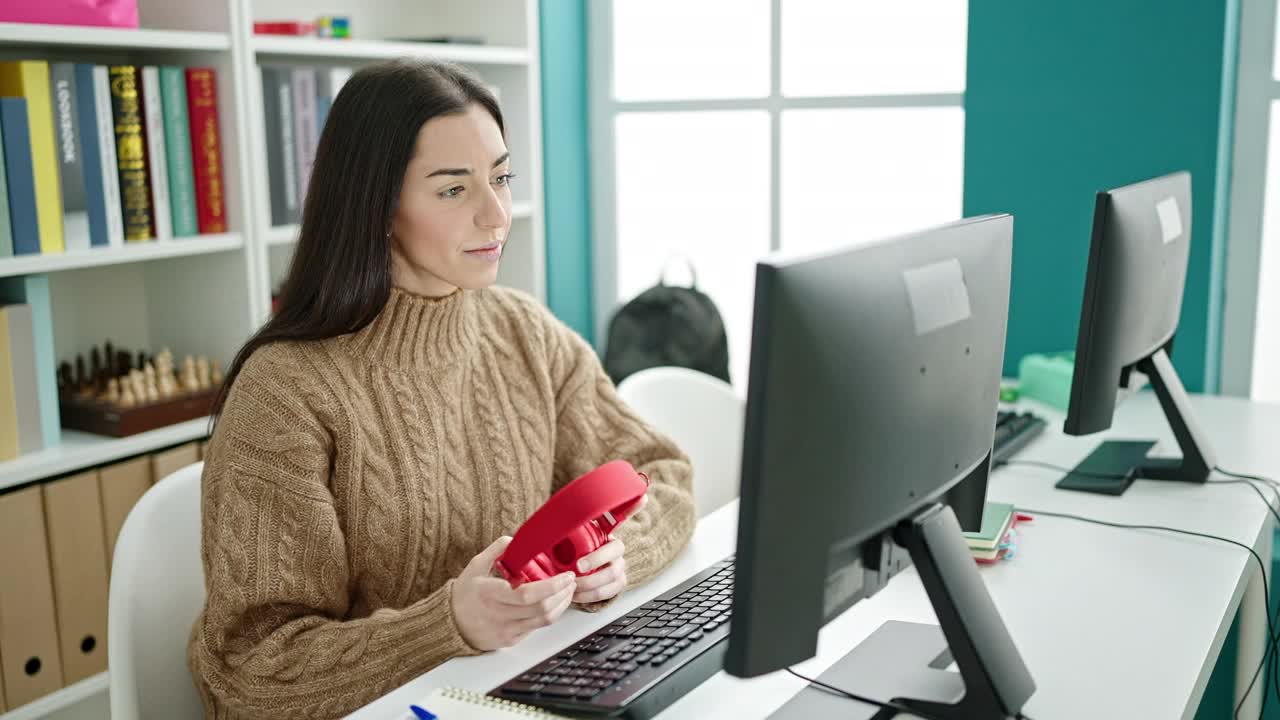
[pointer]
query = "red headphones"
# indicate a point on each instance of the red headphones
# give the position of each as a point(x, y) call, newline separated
point(572, 523)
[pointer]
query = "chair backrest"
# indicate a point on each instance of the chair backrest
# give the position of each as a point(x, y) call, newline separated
point(157, 590)
point(704, 416)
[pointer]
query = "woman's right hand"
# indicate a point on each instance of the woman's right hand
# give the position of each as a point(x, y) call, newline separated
point(490, 614)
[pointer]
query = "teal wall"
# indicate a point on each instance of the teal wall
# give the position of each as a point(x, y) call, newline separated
point(1067, 98)
point(566, 161)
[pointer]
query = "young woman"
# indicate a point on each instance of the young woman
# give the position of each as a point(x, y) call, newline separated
point(380, 438)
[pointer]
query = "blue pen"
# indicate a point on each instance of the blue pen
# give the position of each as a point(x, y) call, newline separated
point(421, 714)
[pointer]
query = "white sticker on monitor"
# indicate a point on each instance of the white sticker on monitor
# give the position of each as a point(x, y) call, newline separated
point(937, 294)
point(1170, 219)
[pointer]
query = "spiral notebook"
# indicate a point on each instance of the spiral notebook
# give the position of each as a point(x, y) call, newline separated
point(459, 704)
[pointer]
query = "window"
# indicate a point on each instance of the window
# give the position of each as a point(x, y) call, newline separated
point(727, 129)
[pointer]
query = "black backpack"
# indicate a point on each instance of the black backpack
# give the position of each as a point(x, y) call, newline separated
point(667, 326)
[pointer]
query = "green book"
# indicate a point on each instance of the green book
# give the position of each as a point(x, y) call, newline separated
point(6, 230)
point(177, 147)
point(996, 519)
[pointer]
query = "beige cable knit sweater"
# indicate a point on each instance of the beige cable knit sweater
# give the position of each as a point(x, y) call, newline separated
point(350, 480)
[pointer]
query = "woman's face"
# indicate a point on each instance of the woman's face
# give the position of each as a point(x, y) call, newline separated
point(455, 206)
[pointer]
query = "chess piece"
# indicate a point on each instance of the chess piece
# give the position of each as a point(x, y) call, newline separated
point(124, 362)
point(80, 376)
point(189, 381)
point(138, 384)
point(127, 398)
point(215, 372)
point(113, 391)
point(149, 388)
point(142, 359)
point(95, 368)
point(109, 358)
point(202, 372)
point(65, 382)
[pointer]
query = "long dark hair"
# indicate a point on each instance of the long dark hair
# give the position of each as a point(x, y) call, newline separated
point(340, 277)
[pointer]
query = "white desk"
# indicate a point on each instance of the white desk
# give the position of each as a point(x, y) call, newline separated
point(1112, 623)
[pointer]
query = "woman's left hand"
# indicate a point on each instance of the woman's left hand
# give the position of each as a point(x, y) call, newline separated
point(609, 580)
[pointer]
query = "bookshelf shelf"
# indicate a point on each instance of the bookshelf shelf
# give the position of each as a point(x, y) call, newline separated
point(64, 698)
point(99, 257)
point(312, 47)
point(82, 450)
point(123, 38)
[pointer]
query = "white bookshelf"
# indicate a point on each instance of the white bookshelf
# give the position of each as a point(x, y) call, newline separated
point(81, 449)
point(311, 48)
point(206, 295)
point(129, 253)
point(67, 697)
point(43, 36)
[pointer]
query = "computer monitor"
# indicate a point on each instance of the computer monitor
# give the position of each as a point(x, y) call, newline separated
point(872, 392)
point(1132, 300)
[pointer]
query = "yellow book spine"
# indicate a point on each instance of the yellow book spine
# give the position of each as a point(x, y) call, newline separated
point(30, 79)
point(8, 400)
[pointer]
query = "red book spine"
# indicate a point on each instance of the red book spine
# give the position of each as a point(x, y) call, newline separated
point(206, 150)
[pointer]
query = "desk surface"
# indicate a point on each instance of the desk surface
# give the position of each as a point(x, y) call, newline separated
point(1112, 622)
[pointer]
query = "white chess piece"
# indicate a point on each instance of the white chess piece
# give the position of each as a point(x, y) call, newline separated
point(127, 399)
point(202, 372)
point(215, 372)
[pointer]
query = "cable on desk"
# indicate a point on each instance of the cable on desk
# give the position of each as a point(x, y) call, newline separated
point(1273, 633)
point(862, 698)
point(1266, 594)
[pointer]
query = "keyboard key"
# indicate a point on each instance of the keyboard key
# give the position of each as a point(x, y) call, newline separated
point(628, 667)
point(522, 687)
point(616, 675)
point(643, 658)
point(651, 605)
point(653, 632)
point(586, 693)
point(684, 643)
point(601, 684)
point(683, 631)
point(562, 691)
point(567, 654)
point(694, 636)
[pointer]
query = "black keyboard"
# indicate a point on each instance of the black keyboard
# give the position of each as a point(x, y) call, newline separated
point(641, 662)
point(1013, 430)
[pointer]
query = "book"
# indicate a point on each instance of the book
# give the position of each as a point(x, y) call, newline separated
point(22, 356)
point(9, 447)
point(131, 153)
point(996, 520)
point(6, 229)
point(67, 131)
point(206, 150)
point(30, 79)
point(107, 147)
point(89, 135)
point(458, 704)
point(33, 291)
point(277, 115)
point(177, 143)
point(328, 82)
point(19, 178)
point(304, 126)
point(157, 160)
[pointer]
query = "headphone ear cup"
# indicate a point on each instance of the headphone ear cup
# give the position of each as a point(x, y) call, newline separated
point(539, 568)
point(581, 541)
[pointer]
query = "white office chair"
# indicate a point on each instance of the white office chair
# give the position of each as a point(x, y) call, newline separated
point(157, 590)
point(704, 416)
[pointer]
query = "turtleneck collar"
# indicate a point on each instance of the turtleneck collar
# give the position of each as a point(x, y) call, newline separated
point(416, 332)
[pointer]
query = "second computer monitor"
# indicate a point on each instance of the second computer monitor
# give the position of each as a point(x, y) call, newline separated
point(1133, 290)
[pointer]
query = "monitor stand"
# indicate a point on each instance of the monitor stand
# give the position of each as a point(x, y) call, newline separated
point(1114, 465)
point(907, 662)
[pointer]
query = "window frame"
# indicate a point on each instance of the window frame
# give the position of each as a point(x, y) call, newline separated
point(604, 108)
point(1256, 88)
